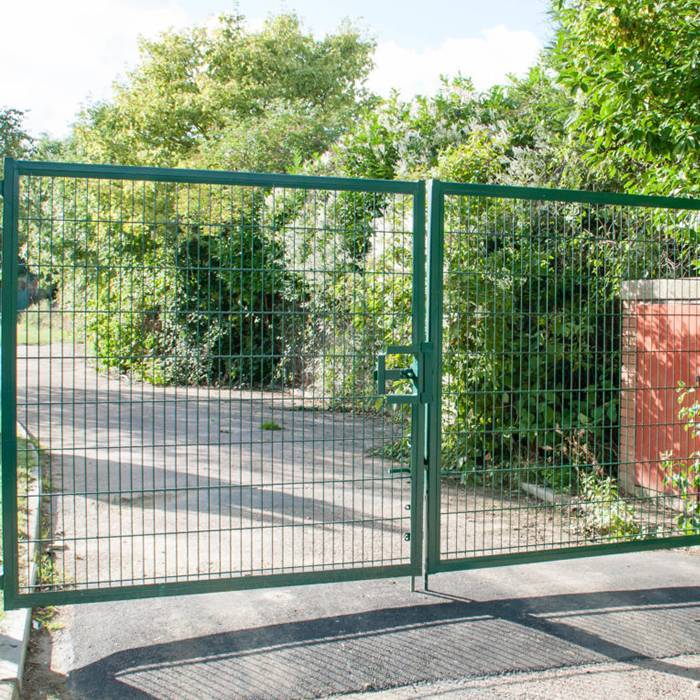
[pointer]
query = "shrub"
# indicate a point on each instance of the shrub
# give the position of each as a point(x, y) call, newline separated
point(175, 284)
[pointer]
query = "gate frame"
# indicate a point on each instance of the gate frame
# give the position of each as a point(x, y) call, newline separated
point(426, 348)
point(438, 190)
point(13, 169)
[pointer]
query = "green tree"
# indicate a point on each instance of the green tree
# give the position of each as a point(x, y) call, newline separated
point(633, 69)
point(398, 138)
point(15, 141)
point(531, 113)
point(226, 97)
point(200, 288)
point(513, 133)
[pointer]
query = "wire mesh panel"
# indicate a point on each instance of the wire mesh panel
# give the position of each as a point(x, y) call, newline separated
point(570, 325)
point(193, 363)
point(188, 399)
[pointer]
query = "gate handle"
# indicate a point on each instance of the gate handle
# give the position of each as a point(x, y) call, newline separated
point(382, 374)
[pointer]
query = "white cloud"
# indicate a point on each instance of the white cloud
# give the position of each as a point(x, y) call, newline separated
point(58, 55)
point(486, 59)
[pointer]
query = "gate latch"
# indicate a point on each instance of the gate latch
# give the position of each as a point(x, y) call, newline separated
point(382, 374)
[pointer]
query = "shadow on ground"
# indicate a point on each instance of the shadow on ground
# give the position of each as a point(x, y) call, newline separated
point(445, 637)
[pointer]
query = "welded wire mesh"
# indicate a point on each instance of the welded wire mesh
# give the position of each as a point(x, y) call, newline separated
point(195, 399)
point(567, 330)
point(194, 362)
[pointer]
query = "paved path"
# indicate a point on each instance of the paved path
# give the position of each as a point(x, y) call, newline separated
point(560, 619)
point(156, 484)
point(635, 680)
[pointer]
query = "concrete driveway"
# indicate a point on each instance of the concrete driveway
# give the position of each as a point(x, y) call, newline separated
point(149, 485)
point(155, 484)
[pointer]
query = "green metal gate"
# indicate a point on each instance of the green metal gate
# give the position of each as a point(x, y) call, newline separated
point(546, 435)
point(194, 371)
point(214, 381)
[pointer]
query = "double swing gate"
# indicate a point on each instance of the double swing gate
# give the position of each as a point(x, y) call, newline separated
point(214, 381)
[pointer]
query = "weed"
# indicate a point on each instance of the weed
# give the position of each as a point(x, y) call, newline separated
point(684, 475)
point(605, 512)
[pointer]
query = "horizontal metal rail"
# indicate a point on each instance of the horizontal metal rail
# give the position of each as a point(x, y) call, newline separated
point(214, 177)
point(563, 195)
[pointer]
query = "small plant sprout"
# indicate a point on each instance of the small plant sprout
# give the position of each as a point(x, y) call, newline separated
point(684, 474)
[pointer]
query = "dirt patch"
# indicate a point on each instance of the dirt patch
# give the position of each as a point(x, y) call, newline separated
point(40, 681)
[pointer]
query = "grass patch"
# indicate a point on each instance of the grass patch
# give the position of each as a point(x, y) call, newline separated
point(27, 462)
point(271, 425)
point(43, 323)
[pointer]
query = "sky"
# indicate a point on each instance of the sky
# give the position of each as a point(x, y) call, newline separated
point(72, 55)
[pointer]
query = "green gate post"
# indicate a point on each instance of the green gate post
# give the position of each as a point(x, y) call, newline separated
point(8, 431)
point(434, 290)
point(418, 410)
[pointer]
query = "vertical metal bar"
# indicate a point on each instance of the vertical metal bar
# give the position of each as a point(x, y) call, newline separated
point(8, 390)
point(436, 214)
point(418, 425)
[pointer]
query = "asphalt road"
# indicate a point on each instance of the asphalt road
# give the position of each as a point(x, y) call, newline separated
point(529, 631)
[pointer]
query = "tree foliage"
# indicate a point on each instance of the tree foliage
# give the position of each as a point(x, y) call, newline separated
point(614, 103)
point(15, 141)
point(558, 290)
point(633, 69)
point(200, 293)
point(229, 98)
